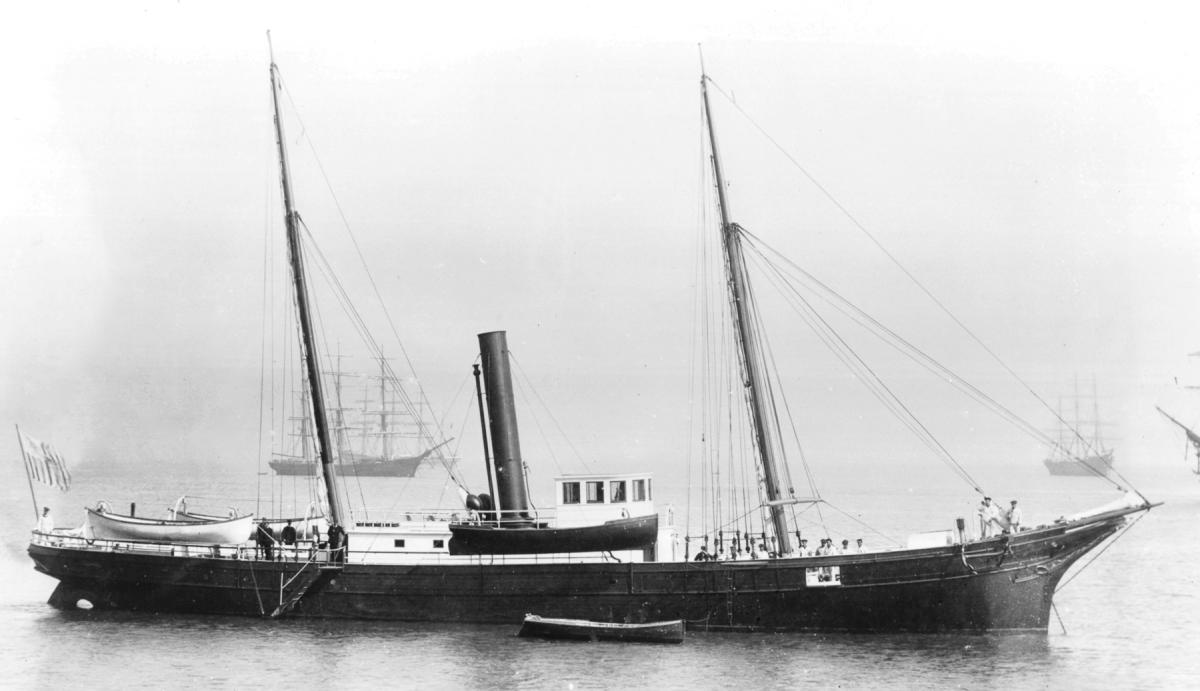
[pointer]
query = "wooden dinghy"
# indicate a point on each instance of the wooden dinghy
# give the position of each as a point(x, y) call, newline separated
point(584, 630)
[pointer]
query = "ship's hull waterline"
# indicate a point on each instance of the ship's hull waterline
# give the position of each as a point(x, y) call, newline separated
point(1000, 584)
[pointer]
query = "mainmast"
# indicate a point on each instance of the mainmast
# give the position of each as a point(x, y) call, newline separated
point(743, 314)
point(311, 362)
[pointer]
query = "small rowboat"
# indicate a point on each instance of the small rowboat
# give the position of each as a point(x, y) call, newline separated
point(584, 630)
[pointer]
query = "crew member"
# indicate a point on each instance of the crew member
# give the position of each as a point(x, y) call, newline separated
point(336, 537)
point(288, 535)
point(989, 518)
point(265, 537)
point(1014, 517)
point(46, 522)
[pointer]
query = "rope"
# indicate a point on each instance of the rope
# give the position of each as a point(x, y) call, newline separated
point(946, 310)
point(1054, 608)
point(1097, 554)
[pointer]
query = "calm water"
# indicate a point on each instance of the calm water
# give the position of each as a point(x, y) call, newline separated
point(1131, 618)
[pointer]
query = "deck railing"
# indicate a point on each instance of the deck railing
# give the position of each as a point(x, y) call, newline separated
point(302, 550)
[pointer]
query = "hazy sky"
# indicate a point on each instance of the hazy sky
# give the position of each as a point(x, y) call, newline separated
point(529, 167)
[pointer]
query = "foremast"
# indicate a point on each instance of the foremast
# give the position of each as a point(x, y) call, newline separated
point(312, 364)
point(751, 368)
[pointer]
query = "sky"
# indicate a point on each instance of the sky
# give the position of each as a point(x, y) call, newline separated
point(538, 168)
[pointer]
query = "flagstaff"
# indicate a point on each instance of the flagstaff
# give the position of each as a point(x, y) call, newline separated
point(25, 462)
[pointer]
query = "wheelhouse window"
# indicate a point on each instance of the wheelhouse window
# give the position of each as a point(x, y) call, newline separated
point(639, 490)
point(595, 492)
point(570, 493)
point(616, 491)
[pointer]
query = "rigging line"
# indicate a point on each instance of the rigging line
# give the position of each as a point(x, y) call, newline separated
point(266, 310)
point(1102, 551)
point(855, 368)
point(523, 383)
point(769, 363)
point(698, 332)
point(369, 340)
point(829, 195)
point(892, 338)
point(847, 355)
point(871, 380)
point(358, 250)
point(319, 328)
point(878, 329)
point(864, 524)
point(383, 306)
point(550, 413)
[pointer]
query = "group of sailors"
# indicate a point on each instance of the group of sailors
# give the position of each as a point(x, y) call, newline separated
point(827, 547)
point(336, 540)
point(994, 520)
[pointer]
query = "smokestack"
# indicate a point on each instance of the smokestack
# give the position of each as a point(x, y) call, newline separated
point(506, 446)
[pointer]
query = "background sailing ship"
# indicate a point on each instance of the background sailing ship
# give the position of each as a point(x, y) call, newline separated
point(372, 439)
point(1079, 446)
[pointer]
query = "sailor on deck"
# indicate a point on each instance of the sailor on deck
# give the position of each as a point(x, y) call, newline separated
point(1014, 517)
point(989, 518)
point(265, 538)
point(337, 542)
point(46, 522)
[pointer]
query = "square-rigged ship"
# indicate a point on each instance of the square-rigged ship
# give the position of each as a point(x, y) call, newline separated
point(606, 558)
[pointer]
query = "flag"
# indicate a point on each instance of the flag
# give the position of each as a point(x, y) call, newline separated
point(44, 463)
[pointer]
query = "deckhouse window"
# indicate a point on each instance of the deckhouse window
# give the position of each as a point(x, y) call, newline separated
point(639, 490)
point(616, 491)
point(570, 493)
point(397, 543)
point(595, 492)
point(439, 544)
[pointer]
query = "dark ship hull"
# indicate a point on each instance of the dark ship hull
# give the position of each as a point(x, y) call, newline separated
point(1001, 584)
point(1089, 466)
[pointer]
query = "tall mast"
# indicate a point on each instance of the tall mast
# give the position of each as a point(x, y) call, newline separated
point(740, 299)
point(311, 362)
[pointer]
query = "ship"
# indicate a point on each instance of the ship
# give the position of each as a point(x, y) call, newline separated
point(604, 552)
point(364, 438)
point(1072, 453)
point(1192, 437)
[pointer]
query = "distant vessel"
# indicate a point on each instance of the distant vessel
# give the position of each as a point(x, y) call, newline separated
point(373, 451)
point(608, 567)
point(1192, 437)
point(1076, 454)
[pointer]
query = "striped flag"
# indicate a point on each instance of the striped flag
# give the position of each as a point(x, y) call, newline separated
point(44, 463)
